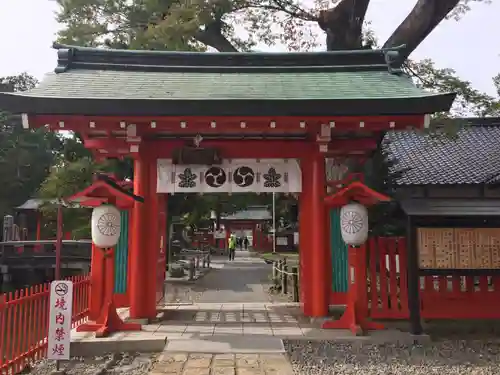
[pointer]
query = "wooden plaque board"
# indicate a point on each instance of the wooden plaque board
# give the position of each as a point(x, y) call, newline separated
point(459, 248)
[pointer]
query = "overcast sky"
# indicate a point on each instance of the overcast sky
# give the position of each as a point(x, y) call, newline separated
point(27, 29)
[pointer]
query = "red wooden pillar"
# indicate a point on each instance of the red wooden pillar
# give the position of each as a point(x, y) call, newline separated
point(142, 291)
point(96, 297)
point(153, 236)
point(320, 265)
point(355, 317)
point(162, 257)
point(304, 240)
point(315, 262)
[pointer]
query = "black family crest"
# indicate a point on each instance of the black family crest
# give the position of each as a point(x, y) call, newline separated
point(187, 179)
point(243, 176)
point(215, 177)
point(272, 178)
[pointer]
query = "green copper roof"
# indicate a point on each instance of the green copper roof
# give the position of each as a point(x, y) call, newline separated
point(114, 82)
point(104, 84)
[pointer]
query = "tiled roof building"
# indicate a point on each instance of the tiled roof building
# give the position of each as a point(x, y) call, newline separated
point(471, 156)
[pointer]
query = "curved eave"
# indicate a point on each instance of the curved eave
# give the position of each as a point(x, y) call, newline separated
point(15, 103)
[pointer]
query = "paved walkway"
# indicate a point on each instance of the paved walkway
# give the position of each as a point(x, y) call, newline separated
point(236, 281)
point(234, 330)
point(222, 364)
point(229, 331)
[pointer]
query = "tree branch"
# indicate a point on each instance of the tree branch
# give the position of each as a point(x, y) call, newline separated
point(423, 18)
point(343, 24)
point(212, 36)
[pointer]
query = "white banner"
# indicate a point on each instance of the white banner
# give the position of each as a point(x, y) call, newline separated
point(61, 302)
point(235, 176)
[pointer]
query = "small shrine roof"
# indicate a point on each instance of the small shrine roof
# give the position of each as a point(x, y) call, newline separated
point(472, 156)
point(355, 191)
point(122, 82)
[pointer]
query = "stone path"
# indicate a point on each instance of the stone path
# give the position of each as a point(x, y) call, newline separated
point(240, 280)
point(222, 364)
point(228, 332)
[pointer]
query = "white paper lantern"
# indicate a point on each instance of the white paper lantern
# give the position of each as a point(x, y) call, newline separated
point(354, 224)
point(105, 225)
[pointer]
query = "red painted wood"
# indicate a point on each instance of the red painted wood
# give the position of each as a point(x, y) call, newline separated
point(393, 284)
point(338, 298)
point(320, 275)
point(24, 322)
point(355, 315)
point(384, 282)
point(403, 276)
point(162, 253)
point(374, 295)
point(138, 259)
point(441, 297)
point(226, 124)
point(361, 281)
point(304, 238)
point(392, 294)
point(235, 149)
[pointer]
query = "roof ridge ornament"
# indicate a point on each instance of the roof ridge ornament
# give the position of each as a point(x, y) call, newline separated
point(393, 59)
point(65, 56)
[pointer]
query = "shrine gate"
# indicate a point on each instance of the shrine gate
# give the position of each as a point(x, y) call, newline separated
point(227, 122)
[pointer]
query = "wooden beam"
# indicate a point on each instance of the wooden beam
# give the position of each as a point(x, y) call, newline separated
point(227, 124)
point(236, 148)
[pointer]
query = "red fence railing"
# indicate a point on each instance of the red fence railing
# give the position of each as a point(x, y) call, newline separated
point(441, 297)
point(24, 323)
point(387, 278)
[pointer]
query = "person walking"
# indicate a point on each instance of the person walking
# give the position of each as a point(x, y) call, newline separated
point(232, 246)
point(246, 242)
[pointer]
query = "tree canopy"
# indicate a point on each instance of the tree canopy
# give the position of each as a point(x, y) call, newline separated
point(245, 25)
point(25, 155)
point(239, 25)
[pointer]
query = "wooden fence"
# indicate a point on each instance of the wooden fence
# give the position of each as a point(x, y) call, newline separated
point(24, 323)
point(441, 297)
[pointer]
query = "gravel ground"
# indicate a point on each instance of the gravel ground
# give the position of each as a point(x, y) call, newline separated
point(444, 358)
point(126, 363)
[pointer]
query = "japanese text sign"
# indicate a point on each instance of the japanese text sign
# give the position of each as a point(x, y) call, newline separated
point(61, 298)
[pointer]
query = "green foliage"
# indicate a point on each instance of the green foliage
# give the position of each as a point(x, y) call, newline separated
point(25, 155)
point(241, 25)
point(469, 102)
point(226, 25)
point(67, 178)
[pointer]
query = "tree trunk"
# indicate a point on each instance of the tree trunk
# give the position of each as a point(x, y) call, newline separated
point(212, 36)
point(343, 25)
point(423, 18)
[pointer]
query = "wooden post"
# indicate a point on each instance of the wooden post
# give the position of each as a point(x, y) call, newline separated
point(284, 278)
point(275, 271)
point(319, 275)
point(304, 237)
point(354, 317)
point(413, 279)
point(295, 284)
point(138, 258)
